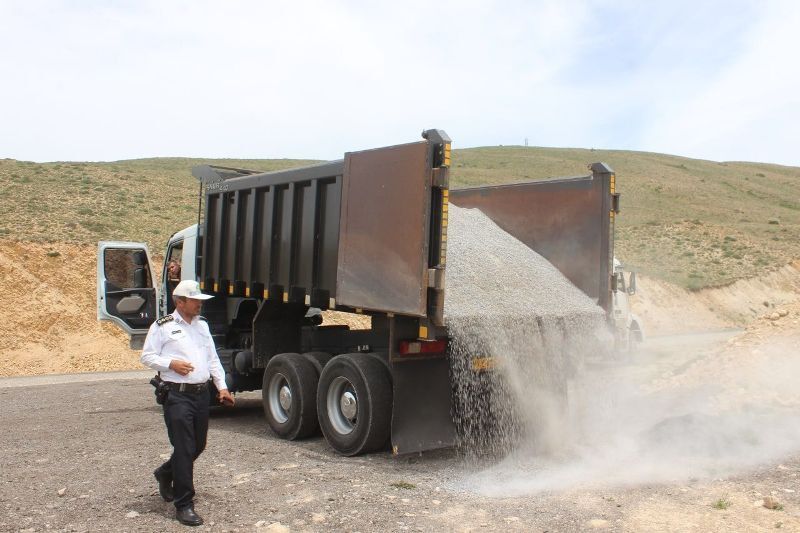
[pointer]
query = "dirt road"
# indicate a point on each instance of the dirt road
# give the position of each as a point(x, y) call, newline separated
point(77, 455)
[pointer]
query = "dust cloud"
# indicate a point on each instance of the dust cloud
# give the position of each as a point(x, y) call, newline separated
point(677, 412)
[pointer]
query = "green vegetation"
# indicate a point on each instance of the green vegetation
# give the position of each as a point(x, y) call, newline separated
point(721, 504)
point(691, 222)
point(403, 485)
point(143, 200)
point(695, 223)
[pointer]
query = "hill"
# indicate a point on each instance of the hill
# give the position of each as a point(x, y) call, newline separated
point(691, 222)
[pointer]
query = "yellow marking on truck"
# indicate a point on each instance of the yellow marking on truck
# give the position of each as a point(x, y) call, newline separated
point(446, 162)
point(423, 332)
point(285, 296)
point(308, 299)
point(481, 364)
point(266, 294)
point(613, 183)
point(332, 303)
point(202, 285)
point(216, 287)
point(247, 292)
point(445, 220)
point(230, 289)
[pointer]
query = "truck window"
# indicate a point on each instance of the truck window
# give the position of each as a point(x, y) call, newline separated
point(126, 269)
point(172, 272)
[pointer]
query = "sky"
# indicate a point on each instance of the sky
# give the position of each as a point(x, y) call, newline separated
point(110, 80)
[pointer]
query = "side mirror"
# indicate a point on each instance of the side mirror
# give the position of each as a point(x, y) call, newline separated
point(139, 258)
point(632, 284)
point(139, 278)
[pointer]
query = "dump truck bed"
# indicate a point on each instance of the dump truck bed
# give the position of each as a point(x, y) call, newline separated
point(569, 221)
point(361, 234)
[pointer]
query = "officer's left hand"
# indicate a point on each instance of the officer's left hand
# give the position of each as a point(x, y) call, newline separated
point(226, 398)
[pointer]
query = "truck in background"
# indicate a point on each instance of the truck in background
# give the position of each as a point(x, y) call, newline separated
point(365, 235)
point(628, 328)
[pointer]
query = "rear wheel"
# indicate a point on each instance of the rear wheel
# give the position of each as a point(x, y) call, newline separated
point(288, 396)
point(354, 402)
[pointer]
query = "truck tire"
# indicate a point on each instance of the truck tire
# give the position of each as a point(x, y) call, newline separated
point(288, 396)
point(354, 402)
point(319, 360)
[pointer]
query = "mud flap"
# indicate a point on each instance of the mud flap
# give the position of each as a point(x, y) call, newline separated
point(421, 414)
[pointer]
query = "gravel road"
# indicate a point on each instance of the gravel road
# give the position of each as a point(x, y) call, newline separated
point(78, 455)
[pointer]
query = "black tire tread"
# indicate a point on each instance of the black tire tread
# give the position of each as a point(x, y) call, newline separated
point(373, 386)
point(318, 359)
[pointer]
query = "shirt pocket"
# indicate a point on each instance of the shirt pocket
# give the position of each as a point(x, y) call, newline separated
point(176, 335)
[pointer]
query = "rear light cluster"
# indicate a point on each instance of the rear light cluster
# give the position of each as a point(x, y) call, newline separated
point(417, 347)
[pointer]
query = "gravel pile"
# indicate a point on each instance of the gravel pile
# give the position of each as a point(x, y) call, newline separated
point(505, 301)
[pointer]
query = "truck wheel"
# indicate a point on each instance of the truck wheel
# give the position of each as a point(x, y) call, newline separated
point(354, 402)
point(318, 359)
point(288, 396)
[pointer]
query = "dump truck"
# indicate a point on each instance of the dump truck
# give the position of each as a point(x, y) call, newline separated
point(364, 235)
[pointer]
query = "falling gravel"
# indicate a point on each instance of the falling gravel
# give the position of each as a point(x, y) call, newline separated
point(508, 303)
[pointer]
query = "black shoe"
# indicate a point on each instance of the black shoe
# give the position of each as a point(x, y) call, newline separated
point(164, 486)
point(188, 517)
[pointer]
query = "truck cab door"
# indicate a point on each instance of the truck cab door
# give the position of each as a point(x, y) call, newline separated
point(126, 294)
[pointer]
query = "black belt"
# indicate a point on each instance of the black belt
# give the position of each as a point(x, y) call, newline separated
point(187, 387)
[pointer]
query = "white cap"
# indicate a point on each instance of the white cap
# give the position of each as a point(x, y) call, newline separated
point(190, 289)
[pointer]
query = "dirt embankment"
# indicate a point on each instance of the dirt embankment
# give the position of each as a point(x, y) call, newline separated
point(48, 313)
point(667, 309)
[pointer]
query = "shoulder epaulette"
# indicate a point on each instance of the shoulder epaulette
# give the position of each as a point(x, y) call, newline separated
point(164, 319)
point(201, 317)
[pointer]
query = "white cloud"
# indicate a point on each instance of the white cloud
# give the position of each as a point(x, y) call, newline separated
point(314, 78)
point(749, 110)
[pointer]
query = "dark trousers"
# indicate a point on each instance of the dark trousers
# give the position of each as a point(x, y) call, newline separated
point(186, 416)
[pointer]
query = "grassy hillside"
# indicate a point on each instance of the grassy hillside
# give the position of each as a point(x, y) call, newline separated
point(139, 200)
point(696, 223)
point(692, 222)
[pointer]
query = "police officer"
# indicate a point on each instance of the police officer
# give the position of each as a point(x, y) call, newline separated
point(180, 347)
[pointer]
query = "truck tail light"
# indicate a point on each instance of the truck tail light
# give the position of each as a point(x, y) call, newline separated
point(418, 347)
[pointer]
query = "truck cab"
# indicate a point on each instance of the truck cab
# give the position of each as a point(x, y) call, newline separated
point(628, 330)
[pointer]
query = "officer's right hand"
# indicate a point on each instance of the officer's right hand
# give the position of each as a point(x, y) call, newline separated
point(181, 367)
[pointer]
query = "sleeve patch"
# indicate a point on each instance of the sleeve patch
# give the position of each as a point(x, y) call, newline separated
point(164, 319)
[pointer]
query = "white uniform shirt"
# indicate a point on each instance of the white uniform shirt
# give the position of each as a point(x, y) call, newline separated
point(192, 342)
